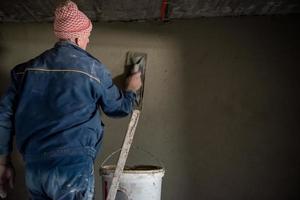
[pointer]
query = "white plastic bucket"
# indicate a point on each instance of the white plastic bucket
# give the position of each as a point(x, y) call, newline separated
point(141, 182)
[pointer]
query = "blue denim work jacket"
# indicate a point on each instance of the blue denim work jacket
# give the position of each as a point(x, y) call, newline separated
point(52, 104)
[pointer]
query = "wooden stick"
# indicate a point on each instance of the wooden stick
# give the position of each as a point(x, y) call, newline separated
point(123, 155)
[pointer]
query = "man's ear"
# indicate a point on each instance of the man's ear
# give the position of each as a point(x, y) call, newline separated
point(77, 40)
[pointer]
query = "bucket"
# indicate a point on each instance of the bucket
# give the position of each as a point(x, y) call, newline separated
point(140, 182)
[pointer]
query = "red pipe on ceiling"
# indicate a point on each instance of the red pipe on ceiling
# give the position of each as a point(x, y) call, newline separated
point(163, 10)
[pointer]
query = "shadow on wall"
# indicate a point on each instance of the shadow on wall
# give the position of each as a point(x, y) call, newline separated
point(120, 80)
point(4, 77)
point(16, 157)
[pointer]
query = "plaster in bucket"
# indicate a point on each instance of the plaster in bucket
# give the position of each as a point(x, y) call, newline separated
point(140, 182)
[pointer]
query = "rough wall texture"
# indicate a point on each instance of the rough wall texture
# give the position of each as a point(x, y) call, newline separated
point(221, 102)
point(128, 10)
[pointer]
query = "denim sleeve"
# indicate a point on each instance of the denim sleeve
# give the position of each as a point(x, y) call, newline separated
point(7, 107)
point(113, 101)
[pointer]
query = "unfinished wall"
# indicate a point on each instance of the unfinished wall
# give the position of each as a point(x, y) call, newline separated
point(221, 101)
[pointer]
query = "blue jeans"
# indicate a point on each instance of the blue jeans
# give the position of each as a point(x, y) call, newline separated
point(61, 178)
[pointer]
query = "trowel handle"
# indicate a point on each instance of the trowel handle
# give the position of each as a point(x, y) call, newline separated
point(135, 69)
point(136, 62)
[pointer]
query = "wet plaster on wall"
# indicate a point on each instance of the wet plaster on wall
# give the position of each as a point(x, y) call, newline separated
point(220, 105)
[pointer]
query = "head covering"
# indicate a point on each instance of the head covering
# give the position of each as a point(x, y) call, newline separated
point(71, 23)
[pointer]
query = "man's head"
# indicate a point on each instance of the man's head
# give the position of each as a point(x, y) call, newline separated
point(72, 24)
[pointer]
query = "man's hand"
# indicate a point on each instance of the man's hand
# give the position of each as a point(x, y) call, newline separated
point(7, 176)
point(134, 82)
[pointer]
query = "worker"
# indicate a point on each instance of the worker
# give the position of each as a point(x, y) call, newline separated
point(52, 107)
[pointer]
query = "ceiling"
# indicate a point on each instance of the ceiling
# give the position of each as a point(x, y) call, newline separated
point(141, 10)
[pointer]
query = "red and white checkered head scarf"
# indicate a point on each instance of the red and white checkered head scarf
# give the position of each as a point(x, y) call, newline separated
point(71, 23)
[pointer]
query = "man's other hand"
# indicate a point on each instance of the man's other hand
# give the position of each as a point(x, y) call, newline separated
point(7, 176)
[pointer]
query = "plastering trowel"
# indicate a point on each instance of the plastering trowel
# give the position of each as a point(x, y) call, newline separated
point(136, 63)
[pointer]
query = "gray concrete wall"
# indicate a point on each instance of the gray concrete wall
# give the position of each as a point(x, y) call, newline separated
point(221, 102)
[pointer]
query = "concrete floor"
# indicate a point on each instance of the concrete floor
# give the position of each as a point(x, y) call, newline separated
point(220, 107)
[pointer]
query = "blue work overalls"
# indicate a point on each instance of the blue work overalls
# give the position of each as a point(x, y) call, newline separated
point(52, 107)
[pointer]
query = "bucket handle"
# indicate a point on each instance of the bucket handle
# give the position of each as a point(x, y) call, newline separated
point(137, 148)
